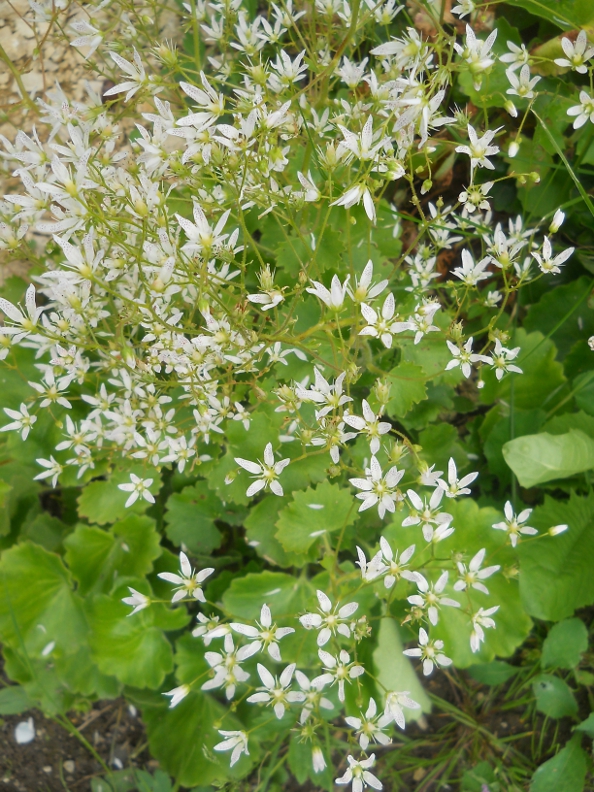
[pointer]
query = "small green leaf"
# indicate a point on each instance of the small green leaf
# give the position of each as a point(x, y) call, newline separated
point(587, 726)
point(407, 387)
point(190, 518)
point(260, 527)
point(543, 457)
point(313, 514)
point(553, 696)
point(565, 772)
point(564, 645)
point(14, 700)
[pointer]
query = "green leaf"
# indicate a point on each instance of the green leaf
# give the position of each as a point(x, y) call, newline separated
point(313, 514)
point(566, 308)
point(556, 571)
point(128, 647)
point(407, 387)
point(182, 740)
point(587, 726)
point(564, 645)
point(543, 457)
point(284, 594)
point(583, 389)
point(260, 527)
point(14, 700)
point(565, 772)
point(566, 14)
point(497, 672)
point(394, 670)
point(97, 557)
point(102, 502)
point(553, 696)
point(190, 518)
point(37, 604)
point(525, 422)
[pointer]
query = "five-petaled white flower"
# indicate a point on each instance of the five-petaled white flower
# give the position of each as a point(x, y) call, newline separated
point(464, 357)
point(337, 670)
point(584, 111)
point(266, 635)
point(266, 473)
point(378, 489)
point(137, 600)
point(379, 325)
point(481, 619)
point(236, 742)
point(455, 486)
point(386, 562)
point(24, 323)
point(314, 697)
point(513, 524)
point(549, 263)
point(188, 582)
point(396, 702)
point(329, 620)
point(137, 487)
point(480, 149)
point(577, 53)
point(522, 85)
point(470, 272)
point(427, 515)
point(369, 425)
point(332, 297)
point(370, 727)
point(276, 692)
point(430, 652)
point(226, 666)
point(358, 773)
point(364, 289)
point(21, 421)
point(472, 575)
point(430, 597)
point(500, 359)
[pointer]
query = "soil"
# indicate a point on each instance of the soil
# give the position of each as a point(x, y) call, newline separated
point(56, 761)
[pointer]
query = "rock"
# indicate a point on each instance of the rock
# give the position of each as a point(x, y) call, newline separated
point(24, 732)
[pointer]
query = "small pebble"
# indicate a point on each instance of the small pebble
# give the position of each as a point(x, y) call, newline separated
point(69, 766)
point(24, 732)
point(47, 769)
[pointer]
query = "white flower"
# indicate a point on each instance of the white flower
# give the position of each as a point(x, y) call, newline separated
point(477, 54)
point(364, 290)
point(464, 357)
point(473, 574)
point(353, 196)
point(521, 86)
point(321, 392)
point(584, 111)
point(427, 514)
point(500, 358)
point(276, 691)
point(480, 148)
point(577, 53)
point(235, 741)
point(362, 145)
point(430, 597)
point(53, 470)
point(188, 582)
point(329, 620)
point(177, 694)
point(136, 73)
point(369, 425)
point(310, 191)
point(455, 486)
point(513, 524)
point(481, 619)
point(267, 300)
point(137, 487)
point(471, 273)
point(226, 665)
point(266, 635)
point(430, 652)
point(379, 325)
point(137, 600)
point(21, 421)
point(378, 489)
point(517, 56)
point(24, 323)
point(338, 670)
point(370, 727)
point(317, 760)
point(549, 263)
point(388, 563)
point(91, 37)
point(313, 696)
point(358, 773)
point(333, 297)
point(209, 628)
point(464, 8)
point(395, 702)
point(266, 473)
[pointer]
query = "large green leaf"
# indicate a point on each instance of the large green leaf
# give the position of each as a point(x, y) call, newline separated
point(565, 772)
point(260, 527)
point(543, 457)
point(553, 696)
point(284, 594)
point(182, 740)
point(556, 571)
point(407, 387)
point(131, 648)
point(37, 604)
point(190, 518)
point(566, 14)
point(565, 307)
point(313, 514)
point(103, 502)
point(97, 557)
point(564, 645)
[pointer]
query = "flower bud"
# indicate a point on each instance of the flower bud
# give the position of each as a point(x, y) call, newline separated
point(511, 108)
point(557, 221)
point(513, 149)
point(557, 529)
